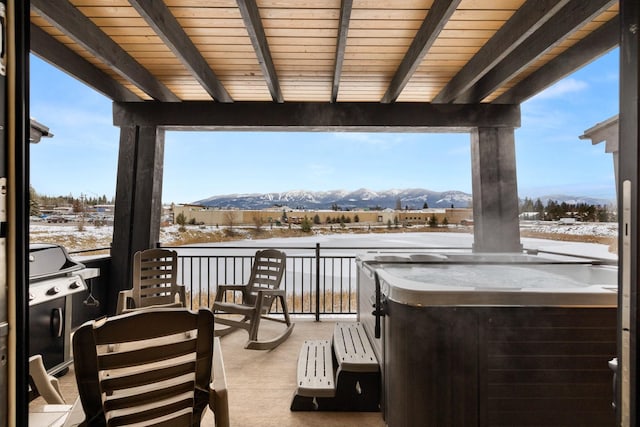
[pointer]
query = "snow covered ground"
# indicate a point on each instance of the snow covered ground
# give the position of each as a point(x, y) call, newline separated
point(603, 229)
point(91, 236)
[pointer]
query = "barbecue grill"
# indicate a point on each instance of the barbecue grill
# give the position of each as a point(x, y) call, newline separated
point(53, 278)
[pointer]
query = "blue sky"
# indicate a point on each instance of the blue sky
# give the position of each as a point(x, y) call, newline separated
point(82, 156)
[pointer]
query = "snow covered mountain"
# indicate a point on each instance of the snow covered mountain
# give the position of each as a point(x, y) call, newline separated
point(414, 198)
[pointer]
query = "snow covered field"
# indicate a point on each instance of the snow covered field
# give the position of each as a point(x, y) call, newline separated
point(94, 237)
point(604, 229)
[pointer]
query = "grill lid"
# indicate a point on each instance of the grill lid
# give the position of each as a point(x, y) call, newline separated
point(47, 261)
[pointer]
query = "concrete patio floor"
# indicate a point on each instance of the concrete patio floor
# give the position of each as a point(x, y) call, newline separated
point(261, 384)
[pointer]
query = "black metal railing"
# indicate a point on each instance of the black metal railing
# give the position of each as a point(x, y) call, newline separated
point(319, 281)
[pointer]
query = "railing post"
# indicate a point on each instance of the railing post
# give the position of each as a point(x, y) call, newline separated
point(317, 282)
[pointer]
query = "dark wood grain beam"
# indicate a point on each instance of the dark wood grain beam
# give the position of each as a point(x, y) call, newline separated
point(568, 20)
point(341, 44)
point(518, 28)
point(434, 22)
point(66, 18)
point(586, 50)
point(160, 18)
point(60, 56)
point(253, 22)
point(317, 116)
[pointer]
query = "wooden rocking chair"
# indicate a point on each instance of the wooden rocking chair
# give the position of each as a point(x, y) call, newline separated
point(258, 295)
point(154, 282)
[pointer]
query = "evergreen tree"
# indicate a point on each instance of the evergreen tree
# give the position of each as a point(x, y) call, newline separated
point(539, 207)
point(305, 225)
point(34, 202)
point(181, 220)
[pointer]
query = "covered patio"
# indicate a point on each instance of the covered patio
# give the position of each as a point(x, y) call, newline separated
point(341, 65)
point(262, 396)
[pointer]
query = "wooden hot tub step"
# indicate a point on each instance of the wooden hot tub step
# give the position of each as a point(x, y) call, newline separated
point(341, 374)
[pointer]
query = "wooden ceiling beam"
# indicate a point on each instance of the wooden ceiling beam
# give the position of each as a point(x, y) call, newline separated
point(596, 44)
point(434, 22)
point(341, 44)
point(66, 18)
point(524, 22)
point(317, 116)
point(167, 27)
point(564, 23)
point(253, 22)
point(60, 56)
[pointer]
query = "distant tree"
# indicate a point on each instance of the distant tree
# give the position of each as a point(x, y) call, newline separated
point(539, 207)
point(34, 202)
point(388, 223)
point(181, 220)
point(305, 225)
point(230, 222)
point(258, 221)
point(433, 221)
point(316, 219)
point(445, 221)
point(425, 205)
point(396, 221)
point(77, 206)
point(356, 218)
point(602, 214)
point(527, 205)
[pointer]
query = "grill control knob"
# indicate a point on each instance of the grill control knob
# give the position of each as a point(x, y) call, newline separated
point(53, 291)
point(74, 285)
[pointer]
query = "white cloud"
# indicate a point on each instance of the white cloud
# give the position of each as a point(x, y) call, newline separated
point(562, 88)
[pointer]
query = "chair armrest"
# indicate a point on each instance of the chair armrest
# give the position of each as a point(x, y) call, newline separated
point(220, 291)
point(154, 307)
point(123, 297)
point(46, 385)
point(218, 396)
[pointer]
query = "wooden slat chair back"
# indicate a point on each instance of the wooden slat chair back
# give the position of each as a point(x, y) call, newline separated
point(154, 281)
point(257, 298)
point(266, 274)
point(150, 366)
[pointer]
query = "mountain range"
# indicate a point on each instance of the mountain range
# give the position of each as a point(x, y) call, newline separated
point(413, 198)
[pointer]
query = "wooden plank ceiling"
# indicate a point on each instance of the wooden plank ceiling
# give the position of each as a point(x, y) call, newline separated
point(432, 51)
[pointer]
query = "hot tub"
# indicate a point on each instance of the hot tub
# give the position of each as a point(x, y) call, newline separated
point(491, 339)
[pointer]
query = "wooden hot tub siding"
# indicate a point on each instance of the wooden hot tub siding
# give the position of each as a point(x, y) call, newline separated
point(498, 366)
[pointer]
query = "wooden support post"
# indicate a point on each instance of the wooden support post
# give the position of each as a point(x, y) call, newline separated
point(138, 202)
point(495, 190)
